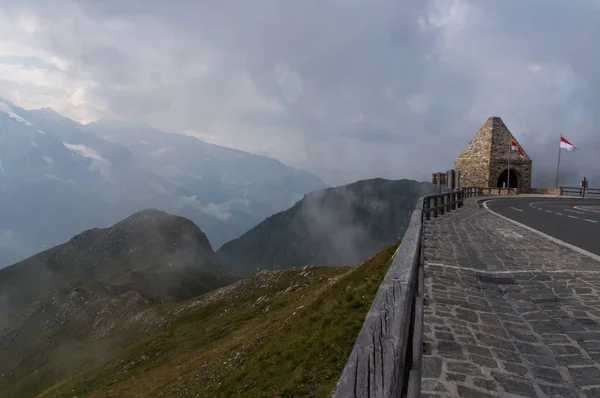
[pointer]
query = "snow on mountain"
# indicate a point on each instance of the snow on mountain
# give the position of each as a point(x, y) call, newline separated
point(53, 177)
point(7, 108)
point(58, 178)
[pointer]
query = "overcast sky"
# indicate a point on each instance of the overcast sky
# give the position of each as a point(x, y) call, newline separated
point(346, 89)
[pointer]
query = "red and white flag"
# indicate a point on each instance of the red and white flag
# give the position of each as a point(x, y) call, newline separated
point(515, 147)
point(564, 143)
point(513, 144)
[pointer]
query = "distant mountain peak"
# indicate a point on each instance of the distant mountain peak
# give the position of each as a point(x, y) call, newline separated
point(149, 213)
point(50, 114)
point(8, 108)
point(333, 226)
point(47, 109)
point(151, 252)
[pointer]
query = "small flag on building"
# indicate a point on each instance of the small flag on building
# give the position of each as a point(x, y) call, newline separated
point(513, 144)
point(564, 143)
point(515, 147)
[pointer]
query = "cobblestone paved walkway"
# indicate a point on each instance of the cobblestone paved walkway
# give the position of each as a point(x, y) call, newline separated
point(508, 313)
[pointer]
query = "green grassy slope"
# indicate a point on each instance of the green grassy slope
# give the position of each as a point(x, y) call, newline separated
point(283, 334)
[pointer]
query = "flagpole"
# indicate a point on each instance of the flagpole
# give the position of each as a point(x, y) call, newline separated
point(558, 164)
point(508, 169)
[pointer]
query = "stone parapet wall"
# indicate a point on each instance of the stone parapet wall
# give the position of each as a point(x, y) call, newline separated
point(543, 191)
point(499, 191)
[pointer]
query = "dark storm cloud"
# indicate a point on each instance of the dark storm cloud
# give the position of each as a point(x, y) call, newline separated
point(348, 89)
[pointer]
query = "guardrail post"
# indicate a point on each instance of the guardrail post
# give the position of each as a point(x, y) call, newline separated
point(441, 205)
point(435, 208)
point(426, 207)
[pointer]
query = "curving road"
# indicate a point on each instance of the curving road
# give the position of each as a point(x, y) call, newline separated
point(575, 221)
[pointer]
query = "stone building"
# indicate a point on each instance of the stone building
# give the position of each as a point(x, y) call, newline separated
point(484, 162)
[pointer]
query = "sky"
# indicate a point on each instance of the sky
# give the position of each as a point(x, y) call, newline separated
point(346, 89)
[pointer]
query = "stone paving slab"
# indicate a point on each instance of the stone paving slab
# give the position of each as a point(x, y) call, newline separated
point(508, 313)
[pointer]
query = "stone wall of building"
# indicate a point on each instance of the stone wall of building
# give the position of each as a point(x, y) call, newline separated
point(483, 161)
point(474, 161)
point(499, 154)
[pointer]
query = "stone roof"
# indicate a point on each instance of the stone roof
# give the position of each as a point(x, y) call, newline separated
point(485, 158)
point(493, 138)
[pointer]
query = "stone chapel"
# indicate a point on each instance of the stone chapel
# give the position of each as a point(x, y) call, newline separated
point(484, 162)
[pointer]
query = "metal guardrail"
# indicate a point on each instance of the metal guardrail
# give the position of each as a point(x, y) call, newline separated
point(386, 357)
point(592, 191)
point(434, 205)
point(578, 191)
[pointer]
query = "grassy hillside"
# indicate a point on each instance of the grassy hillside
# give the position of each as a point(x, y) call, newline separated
point(69, 306)
point(274, 334)
point(334, 226)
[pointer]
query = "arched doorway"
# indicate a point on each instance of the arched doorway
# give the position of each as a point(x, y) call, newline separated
point(503, 179)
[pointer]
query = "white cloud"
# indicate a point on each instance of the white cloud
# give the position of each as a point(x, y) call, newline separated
point(97, 162)
point(54, 177)
point(219, 211)
point(160, 152)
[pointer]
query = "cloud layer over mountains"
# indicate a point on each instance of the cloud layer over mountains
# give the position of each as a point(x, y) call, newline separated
point(59, 178)
point(346, 89)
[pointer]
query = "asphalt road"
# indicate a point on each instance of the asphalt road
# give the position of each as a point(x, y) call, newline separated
point(575, 221)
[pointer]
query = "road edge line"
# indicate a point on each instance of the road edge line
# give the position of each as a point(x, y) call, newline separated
point(540, 233)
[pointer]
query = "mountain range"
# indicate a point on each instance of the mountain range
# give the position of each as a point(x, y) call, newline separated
point(334, 226)
point(59, 177)
point(138, 293)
